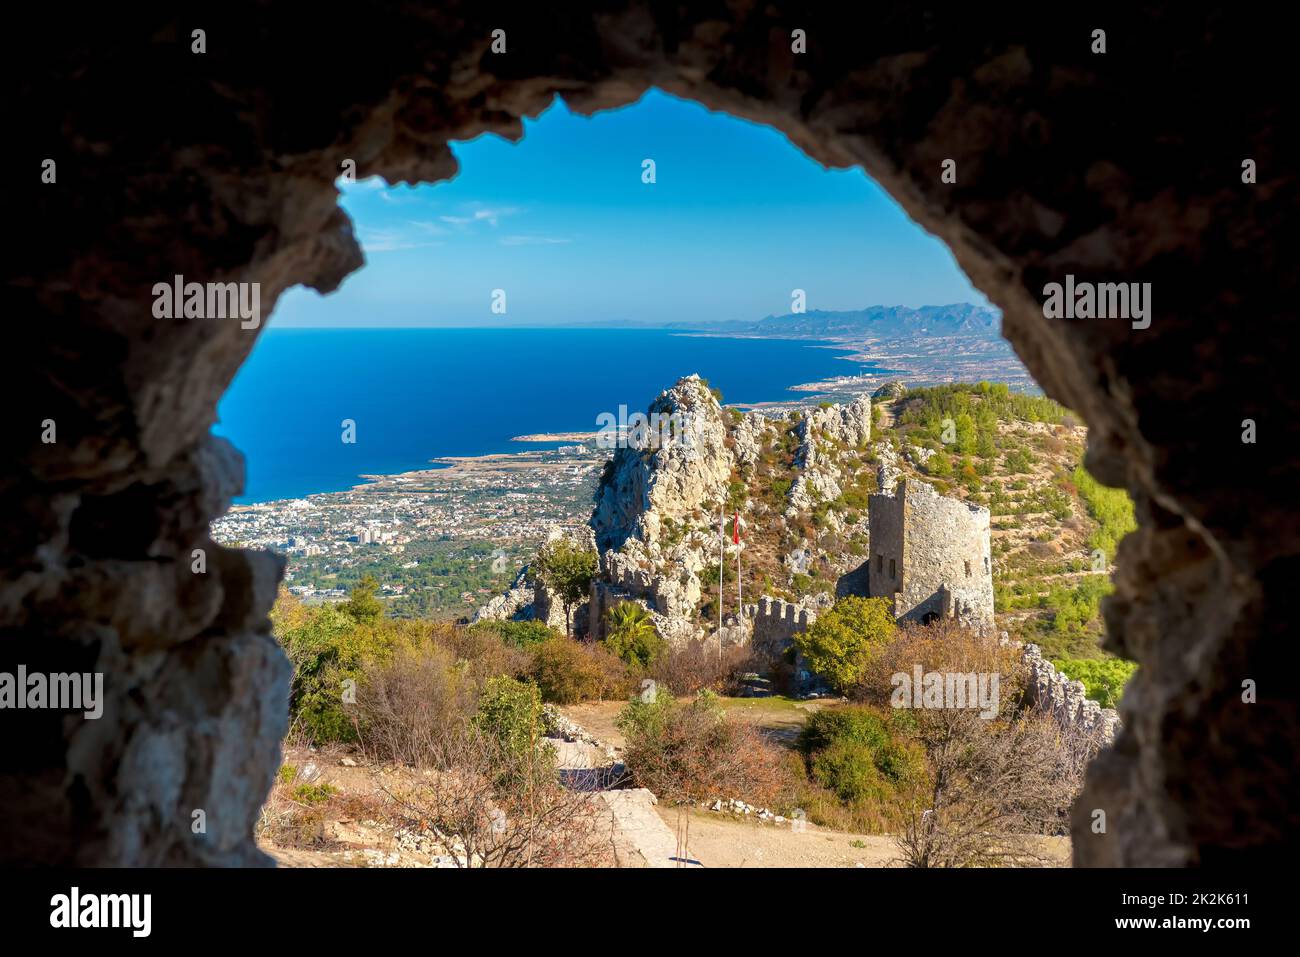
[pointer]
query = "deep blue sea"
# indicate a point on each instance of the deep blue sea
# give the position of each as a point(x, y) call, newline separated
point(416, 394)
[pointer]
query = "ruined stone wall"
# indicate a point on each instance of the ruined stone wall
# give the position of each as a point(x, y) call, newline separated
point(603, 596)
point(776, 622)
point(946, 565)
point(1067, 701)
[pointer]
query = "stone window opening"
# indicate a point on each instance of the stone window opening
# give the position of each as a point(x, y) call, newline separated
point(999, 231)
point(967, 564)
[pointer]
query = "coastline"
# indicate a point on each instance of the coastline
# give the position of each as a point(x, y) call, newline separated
point(441, 469)
point(917, 361)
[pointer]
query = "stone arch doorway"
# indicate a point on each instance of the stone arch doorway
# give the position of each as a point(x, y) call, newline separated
point(219, 166)
point(929, 618)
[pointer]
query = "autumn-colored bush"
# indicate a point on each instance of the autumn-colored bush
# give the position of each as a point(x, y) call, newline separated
point(409, 706)
point(484, 653)
point(568, 671)
point(692, 751)
point(944, 646)
point(999, 778)
point(694, 667)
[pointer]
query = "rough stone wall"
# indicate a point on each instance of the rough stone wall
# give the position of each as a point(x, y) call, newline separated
point(942, 555)
point(1125, 166)
point(776, 622)
point(1067, 701)
point(885, 522)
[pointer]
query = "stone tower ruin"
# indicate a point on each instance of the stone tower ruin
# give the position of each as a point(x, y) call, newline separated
point(930, 554)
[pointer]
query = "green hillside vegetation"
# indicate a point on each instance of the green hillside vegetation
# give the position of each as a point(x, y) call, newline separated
point(1111, 508)
point(1104, 678)
point(1020, 456)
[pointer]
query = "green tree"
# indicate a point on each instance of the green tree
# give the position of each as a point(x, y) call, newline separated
point(511, 711)
point(840, 643)
point(362, 606)
point(630, 634)
point(566, 569)
point(521, 634)
point(967, 437)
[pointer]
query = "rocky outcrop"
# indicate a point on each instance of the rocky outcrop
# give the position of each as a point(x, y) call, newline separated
point(888, 468)
point(822, 433)
point(748, 437)
point(675, 474)
point(515, 603)
point(657, 509)
point(654, 514)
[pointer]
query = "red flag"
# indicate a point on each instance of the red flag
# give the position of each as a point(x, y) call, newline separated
point(735, 531)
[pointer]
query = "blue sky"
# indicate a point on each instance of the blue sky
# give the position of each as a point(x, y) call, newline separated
point(563, 223)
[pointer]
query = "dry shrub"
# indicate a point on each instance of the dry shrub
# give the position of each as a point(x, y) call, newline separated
point(485, 653)
point(412, 703)
point(695, 667)
point(1042, 550)
point(569, 671)
point(536, 822)
point(287, 820)
point(695, 752)
point(944, 646)
point(997, 788)
point(997, 784)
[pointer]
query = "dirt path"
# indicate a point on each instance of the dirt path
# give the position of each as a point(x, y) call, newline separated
point(782, 717)
point(721, 840)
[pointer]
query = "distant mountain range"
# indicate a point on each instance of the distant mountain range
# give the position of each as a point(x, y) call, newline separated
point(886, 322)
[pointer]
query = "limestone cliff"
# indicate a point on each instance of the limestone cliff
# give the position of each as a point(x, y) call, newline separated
point(659, 504)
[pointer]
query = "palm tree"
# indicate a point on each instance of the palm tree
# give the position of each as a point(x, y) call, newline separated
point(630, 633)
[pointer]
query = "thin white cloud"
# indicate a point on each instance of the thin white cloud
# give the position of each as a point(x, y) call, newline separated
point(534, 240)
point(389, 240)
point(490, 216)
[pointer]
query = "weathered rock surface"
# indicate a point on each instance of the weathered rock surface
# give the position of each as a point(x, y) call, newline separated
point(515, 603)
point(819, 475)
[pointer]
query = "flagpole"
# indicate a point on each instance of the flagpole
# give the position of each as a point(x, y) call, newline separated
point(740, 594)
point(722, 555)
